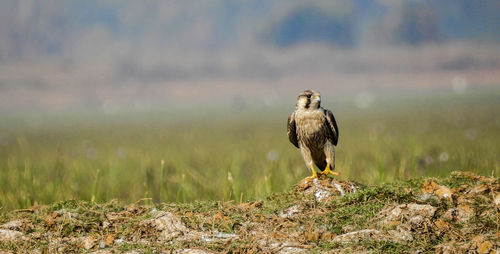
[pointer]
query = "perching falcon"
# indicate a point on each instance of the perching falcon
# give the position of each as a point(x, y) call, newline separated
point(313, 129)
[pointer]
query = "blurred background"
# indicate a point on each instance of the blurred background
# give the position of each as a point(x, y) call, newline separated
point(187, 100)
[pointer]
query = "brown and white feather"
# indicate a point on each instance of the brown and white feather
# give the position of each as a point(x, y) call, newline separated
point(314, 130)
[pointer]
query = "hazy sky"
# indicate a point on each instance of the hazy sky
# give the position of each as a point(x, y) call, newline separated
point(56, 53)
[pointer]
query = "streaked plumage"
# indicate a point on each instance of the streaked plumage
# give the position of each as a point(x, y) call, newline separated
point(314, 131)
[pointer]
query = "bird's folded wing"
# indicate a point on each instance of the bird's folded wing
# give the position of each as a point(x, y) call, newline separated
point(291, 129)
point(332, 124)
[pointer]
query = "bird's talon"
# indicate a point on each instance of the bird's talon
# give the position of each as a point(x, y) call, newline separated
point(329, 171)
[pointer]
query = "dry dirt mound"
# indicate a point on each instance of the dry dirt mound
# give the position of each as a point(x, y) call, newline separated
point(452, 215)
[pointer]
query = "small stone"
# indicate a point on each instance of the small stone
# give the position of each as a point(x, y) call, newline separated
point(479, 189)
point(347, 229)
point(9, 235)
point(442, 225)
point(438, 190)
point(88, 242)
point(357, 236)
point(447, 248)
point(290, 211)
point(105, 224)
point(485, 247)
point(444, 192)
point(169, 225)
point(482, 244)
point(462, 213)
point(13, 225)
point(496, 200)
point(414, 213)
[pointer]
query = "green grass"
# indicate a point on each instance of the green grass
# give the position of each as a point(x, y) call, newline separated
point(236, 154)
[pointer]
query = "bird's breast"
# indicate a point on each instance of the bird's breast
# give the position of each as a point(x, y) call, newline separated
point(311, 127)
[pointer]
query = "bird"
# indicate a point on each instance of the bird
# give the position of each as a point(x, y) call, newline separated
point(314, 131)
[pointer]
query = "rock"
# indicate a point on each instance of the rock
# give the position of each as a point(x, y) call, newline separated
point(442, 225)
point(102, 245)
point(461, 214)
point(9, 235)
point(106, 224)
point(119, 241)
point(373, 234)
point(481, 244)
point(290, 211)
point(413, 213)
point(357, 236)
point(289, 248)
point(166, 224)
point(442, 192)
point(401, 235)
point(347, 229)
point(88, 242)
point(406, 220)
point(496, 199)
point(479, 189)
point(217, 236)
point(325, 188)
point(67, 214)
point(12, 225)
point(451, 248)
point(272, 245)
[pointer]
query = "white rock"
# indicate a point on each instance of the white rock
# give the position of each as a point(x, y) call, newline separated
point(9, 235)
point(13, 225)
point(169, 225)
point(290, 211)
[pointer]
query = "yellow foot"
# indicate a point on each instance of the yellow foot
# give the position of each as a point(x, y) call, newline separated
point(328, 171)
point(314, 175)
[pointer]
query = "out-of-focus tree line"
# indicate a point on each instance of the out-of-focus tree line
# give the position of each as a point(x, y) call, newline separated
point(81, 28)
point(391, 22)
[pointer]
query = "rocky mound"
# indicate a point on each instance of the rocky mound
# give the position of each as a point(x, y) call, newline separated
point(452, 215)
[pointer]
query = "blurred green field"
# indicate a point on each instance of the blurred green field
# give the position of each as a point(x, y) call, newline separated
point(234, 153)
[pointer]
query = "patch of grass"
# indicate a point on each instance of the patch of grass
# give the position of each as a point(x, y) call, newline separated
point(356, 217)
point(347, 211)
point(235, 155)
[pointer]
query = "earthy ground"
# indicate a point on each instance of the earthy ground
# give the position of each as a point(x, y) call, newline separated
point(456, 214)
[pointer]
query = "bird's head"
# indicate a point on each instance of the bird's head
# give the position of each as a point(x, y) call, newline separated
point(308, 100)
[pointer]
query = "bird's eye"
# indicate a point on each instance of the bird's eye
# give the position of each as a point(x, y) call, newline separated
point(308, 96)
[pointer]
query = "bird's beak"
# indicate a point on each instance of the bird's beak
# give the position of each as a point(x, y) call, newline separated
point(317, 99)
